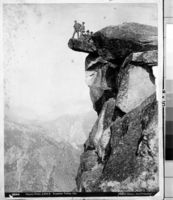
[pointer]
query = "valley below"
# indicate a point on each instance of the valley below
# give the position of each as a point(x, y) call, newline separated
point(44, 156)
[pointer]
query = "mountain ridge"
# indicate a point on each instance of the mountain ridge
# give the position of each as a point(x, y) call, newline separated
point(31, 155)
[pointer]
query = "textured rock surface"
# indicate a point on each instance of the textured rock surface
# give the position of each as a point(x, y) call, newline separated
point(89, 171)
point(79, 45)
point(117, 42)
point(135, 86)
point(100, 133)
point(148, 57)
point(133, 162)
point(121, 153)
point(100, 76)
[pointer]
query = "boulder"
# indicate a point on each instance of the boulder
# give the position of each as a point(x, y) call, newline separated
point(148, 58)
point(136, 83)
point(117, 42)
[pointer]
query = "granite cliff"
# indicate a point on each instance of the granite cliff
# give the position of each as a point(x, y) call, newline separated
point(121, 151)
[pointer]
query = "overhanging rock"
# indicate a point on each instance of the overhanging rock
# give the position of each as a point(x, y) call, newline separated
point(81, 46)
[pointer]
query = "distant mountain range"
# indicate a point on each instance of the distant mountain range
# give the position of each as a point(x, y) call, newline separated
point(44, 156)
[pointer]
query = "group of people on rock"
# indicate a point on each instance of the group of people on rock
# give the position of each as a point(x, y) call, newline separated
point(79, 29)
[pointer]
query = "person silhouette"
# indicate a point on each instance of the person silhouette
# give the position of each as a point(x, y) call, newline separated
point(82, 28)
point(76, 29)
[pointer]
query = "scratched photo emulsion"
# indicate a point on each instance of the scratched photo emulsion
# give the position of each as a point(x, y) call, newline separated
point(80, 100)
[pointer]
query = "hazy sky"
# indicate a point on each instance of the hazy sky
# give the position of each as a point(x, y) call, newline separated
point(42, 75)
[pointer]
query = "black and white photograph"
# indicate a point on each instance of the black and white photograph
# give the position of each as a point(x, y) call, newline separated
point(81, 99)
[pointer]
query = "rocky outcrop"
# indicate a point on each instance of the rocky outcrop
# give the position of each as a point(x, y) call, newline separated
point(130, 150)
point(121, 152)
point(117, 42)
point(133, 160)
point(83, 46)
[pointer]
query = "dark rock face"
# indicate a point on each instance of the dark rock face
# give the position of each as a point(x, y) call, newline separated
point(79, 45)
point(101, 129)
point(132, 160)
point(100, 76)
point(121, 153)
point(117, 42)
point(134, 155)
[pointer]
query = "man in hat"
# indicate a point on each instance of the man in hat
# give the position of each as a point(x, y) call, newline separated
point(82, 29)
point(76, 28)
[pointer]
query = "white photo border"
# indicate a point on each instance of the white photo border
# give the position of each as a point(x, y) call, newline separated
point(159, 3)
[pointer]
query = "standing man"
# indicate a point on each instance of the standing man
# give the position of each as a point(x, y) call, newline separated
point(82, 29)
point(76, 29)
